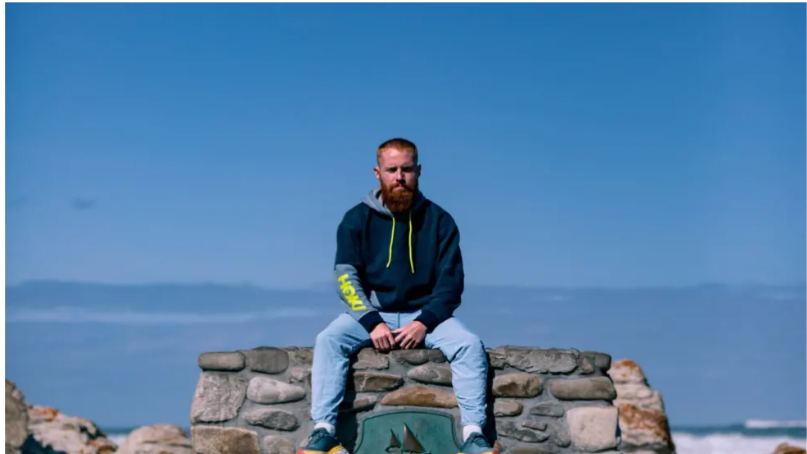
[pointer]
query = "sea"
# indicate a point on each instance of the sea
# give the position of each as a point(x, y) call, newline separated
point(751, 437)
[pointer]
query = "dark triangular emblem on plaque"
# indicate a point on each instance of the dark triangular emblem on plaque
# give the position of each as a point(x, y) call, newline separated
point(410, 444)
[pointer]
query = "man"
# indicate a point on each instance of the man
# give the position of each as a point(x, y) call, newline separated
point(399, 273)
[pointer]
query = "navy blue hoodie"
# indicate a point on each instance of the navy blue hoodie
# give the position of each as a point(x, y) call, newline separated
point(398, 264)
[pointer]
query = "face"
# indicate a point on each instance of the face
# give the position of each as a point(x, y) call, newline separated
point(398, 173)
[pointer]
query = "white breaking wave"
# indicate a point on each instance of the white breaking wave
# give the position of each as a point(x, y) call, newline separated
point(730, 443)
point(773, 424)
point(117, 439)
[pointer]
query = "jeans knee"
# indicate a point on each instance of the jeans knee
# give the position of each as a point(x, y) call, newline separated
point(472, 341)
point(326, 339)
point(469, 345)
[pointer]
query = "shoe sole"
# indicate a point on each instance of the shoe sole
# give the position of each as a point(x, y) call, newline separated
point(335, 450)
point(493, 451)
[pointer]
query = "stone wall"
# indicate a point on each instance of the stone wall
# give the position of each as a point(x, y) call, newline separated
point(540, 400)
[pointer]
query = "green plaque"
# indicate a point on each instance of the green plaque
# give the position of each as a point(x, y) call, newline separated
point(411, 431)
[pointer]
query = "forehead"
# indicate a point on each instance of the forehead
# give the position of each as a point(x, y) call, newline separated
point(393, 157)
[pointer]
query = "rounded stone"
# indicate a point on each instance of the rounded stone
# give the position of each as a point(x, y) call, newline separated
point(272, 419)
point(435, 355)
point(602, 361)
point(273, 444)
point(225, 361)
point(541, 360)
point(507, 408)
point(559, 434)
point(592, 428)
point(586, 366)
point(156, 439)
point(517, 385)
point(217, 397)
point(369, 358)
point(594, 388)
point(264, 390)
point(435, 374)
point(299, 375)
point(496, 359)
point(223, 440)
point(361, 402)
point(553, 409)
point(421, 396)
point(300, 355)
point(376, 381)
point(418, 356)
point(509, 429)
point(521, 449)
point(534, 424)
point(269, 360)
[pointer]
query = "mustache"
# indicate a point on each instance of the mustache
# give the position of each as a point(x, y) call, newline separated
point(403, 185)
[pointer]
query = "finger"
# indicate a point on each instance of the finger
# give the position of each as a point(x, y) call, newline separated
point(405, 343)
point(396, 331)
point(377, 344)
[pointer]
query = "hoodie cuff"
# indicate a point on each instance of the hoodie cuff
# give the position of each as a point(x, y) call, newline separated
point(429, 319)
point(370, 320)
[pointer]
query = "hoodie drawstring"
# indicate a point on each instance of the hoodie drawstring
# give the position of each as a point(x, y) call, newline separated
point(392, 239)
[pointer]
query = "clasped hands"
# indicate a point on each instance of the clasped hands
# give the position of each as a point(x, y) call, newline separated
point(408, 336)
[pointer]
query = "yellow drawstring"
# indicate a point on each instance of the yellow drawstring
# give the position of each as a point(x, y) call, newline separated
point(411, 263)
point(392, 239)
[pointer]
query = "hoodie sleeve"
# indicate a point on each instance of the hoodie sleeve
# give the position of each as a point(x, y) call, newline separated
point(349, 271)
point(448, 290)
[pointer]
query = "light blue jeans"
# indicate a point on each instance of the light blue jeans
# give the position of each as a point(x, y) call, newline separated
point(344, 336)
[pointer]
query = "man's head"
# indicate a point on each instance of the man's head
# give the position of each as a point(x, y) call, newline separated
point(398, 171)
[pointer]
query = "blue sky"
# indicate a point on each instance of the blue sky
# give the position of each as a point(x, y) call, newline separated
point(575, 144)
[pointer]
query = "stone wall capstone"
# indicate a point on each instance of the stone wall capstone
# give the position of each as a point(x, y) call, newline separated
point(540, 400)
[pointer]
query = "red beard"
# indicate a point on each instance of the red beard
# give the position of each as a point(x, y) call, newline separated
point(398, 201)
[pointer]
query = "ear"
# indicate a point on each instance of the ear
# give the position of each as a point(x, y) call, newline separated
point(377, 172)
point(419, 170)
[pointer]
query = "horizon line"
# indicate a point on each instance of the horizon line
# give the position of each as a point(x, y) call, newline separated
point(322, 286)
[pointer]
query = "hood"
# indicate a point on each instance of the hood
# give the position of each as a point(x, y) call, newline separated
point(373, 200)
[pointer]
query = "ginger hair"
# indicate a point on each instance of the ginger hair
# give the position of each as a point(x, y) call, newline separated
point(398, 144)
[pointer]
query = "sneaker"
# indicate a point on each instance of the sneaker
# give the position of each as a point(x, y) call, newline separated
point(322, 442)
point(477, 444)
